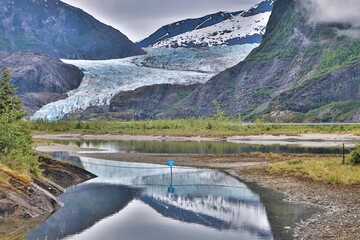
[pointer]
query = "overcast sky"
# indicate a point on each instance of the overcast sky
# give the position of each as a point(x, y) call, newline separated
point(137, 19)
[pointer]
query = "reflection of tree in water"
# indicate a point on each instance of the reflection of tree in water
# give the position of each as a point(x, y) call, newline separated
point(85, 205)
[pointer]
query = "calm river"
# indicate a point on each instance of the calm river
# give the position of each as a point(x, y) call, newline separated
point(144, 201)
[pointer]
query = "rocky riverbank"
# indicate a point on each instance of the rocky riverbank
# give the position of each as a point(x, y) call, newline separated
point(23, 200)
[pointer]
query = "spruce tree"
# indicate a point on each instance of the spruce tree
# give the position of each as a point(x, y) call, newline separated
point(16, 151)
point(9, 103)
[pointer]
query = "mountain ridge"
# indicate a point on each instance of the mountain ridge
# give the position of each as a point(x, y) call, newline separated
point(59, 30)
point(223, 28)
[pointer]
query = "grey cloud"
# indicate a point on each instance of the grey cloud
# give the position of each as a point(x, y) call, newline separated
point(352, 33)
point(138, 18)
point(339, 11)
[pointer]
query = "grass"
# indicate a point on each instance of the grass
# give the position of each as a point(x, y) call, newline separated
point(8, 177)
point(326, 169)
point(3, 177)
point(337, 59)
point(185, 127)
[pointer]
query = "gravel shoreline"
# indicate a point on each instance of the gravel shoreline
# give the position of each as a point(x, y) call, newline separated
point(341, 204)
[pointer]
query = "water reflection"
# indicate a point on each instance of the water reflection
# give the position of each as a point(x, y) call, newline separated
point(196, 147)
point(85, 205)
point(132, 201)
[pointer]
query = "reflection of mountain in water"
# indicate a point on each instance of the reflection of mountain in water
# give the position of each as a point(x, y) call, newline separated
point(210, 198)
point(85, 205)
point(218, 213)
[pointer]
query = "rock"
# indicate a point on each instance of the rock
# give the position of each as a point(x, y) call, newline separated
point(38, 197)
point(40, 79)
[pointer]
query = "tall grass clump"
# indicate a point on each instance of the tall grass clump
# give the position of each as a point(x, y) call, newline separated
point(326, 169)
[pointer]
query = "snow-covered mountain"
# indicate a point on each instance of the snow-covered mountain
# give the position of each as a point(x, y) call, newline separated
point(222, 28)
point(225, 39)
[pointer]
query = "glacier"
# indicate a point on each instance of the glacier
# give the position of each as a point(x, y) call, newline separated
point(103, 79)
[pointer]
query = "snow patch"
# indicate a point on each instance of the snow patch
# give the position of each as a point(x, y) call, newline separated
point(237, 27)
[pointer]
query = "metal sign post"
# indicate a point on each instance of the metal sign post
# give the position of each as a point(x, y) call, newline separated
point(171, 163)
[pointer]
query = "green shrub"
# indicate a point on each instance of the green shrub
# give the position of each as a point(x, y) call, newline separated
point(354, 157)
point(78, 125)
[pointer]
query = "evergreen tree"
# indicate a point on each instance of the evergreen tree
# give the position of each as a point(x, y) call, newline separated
point(219, 115)
point(16, 151)
point(9, 103)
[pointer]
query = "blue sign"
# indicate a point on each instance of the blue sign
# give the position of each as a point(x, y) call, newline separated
point(171, 163)
point(171, 190)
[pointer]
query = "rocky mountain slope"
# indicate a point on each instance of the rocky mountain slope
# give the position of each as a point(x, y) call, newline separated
point(40, 79)
point(59, 30)
point(222, 28)
point(299, 67)
point(301, 72)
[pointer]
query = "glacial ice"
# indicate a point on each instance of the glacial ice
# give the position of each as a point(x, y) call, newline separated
point(104, 79)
